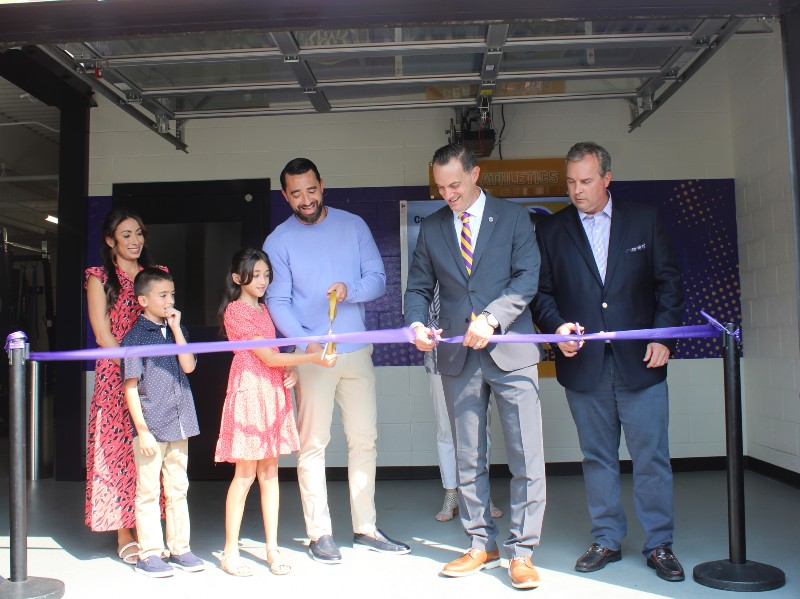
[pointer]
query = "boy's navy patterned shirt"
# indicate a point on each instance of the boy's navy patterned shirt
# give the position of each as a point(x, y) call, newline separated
point(167, 402)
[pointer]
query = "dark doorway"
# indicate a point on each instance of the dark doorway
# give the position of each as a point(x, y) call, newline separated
point(194, 228)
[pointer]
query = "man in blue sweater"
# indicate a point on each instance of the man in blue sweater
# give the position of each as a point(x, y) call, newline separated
point(317, 252)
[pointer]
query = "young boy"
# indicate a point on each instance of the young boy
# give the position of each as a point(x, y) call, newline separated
point(163, 418)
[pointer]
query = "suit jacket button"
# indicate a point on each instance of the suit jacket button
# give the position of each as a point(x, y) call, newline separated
point(467, 320)
point(605, 305)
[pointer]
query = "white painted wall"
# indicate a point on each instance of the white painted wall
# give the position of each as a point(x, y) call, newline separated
point(771, 376)
point(698, 134)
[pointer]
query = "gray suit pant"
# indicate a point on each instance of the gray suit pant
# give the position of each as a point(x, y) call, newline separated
point(517, 397)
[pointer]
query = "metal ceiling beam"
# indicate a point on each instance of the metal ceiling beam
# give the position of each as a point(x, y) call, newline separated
point(564, 98)
point(597, 41)
point(290, 49)
point(402, 81)
point(450, 103)
point(547, 74)
point(707, 29)
point(302, 72)
point(215, 114)
point(65, 61)
point(286, 43)
point(205, 56)
point(592, 73)
point(133, 93)
point(730, 29)
point(496, 37)
point(222, 88)
point(701, 35)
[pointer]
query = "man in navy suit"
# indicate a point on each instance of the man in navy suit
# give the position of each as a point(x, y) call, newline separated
point(607, 266)
point(482, 252)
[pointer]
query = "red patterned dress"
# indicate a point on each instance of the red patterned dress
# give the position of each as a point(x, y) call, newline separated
point(110, 469)
point(257, 419)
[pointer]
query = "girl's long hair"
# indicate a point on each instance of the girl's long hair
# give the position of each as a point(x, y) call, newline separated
point(108, 255)
point(243, 263)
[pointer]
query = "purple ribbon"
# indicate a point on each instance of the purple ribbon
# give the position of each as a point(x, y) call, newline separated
point(404, 335)
point(736, 334)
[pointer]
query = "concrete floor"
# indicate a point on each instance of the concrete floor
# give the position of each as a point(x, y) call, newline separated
point(61, 547)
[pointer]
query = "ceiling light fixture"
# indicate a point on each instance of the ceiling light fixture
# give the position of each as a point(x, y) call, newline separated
point(51, 219)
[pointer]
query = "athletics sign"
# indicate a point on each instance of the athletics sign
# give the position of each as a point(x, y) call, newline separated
point(522, 178)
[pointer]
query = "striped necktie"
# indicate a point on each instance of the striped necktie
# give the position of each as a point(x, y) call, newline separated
point(466, 241)
point(466, 245)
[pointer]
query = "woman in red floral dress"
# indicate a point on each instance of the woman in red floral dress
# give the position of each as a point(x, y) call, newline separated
point(110, 469)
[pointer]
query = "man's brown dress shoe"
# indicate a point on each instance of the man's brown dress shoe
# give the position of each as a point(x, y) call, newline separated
point(472, 561)
point(596, 558)
point(523, 574)
point(666, 565)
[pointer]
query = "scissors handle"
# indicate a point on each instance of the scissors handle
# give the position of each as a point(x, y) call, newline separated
point(332, 307)
point(331, 346)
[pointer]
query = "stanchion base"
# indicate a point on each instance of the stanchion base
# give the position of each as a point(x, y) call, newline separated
point(749, 576)
point(32, 588)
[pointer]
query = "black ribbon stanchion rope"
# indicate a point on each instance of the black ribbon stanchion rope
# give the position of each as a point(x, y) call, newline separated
point(736, 573)
point(19, 585)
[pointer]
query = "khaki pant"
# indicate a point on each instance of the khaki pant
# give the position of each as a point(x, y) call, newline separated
point(168, 464)
point(351, 384)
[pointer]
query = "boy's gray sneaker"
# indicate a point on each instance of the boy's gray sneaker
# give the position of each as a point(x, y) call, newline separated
point(188, 562)
point(154, 567)
point(324, 550)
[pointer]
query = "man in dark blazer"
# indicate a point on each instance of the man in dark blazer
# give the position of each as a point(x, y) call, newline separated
point(482, 251)
point(607, 266)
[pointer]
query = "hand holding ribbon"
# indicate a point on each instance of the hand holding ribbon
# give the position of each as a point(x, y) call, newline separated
point(570, 348)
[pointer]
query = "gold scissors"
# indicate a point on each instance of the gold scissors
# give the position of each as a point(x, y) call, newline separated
point(331, 346)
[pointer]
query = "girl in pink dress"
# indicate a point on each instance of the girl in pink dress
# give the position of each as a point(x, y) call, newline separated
point(257, 418)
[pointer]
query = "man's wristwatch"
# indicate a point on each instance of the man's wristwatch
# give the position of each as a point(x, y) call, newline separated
point(491, 319)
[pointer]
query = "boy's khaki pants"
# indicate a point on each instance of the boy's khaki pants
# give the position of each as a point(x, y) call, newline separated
point(167, 465)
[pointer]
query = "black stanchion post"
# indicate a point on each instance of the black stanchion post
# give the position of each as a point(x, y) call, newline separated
point(20, 586)
point(736, 573)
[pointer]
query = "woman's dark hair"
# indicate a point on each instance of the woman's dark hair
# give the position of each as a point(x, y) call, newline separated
point(243, 263)
point(108, 254)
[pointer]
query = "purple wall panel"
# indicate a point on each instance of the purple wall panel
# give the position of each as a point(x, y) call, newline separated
point(699, 215)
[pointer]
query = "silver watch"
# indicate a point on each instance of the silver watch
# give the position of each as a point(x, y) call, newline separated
point(491, 319)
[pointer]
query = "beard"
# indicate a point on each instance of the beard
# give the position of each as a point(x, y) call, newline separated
point(313, 218)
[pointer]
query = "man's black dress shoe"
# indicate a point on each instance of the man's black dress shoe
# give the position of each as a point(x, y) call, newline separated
point(381, 543)
point(596, 558)
point(666, 565)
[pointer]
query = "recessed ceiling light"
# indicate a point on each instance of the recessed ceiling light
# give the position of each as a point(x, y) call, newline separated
point(51, 219)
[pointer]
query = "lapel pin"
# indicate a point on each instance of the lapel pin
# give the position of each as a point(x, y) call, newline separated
point(491, 219)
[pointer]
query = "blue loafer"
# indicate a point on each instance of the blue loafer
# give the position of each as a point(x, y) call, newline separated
point(381, 543)
point(154, 567)
point(324, 550)
point(188, 562)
